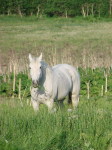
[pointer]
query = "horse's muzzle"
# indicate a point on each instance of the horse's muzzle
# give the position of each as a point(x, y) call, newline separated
point(35, 84)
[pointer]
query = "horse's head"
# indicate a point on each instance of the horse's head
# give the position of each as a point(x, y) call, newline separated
point(35, 69)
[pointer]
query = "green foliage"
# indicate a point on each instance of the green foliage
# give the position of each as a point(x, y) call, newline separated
point(96, 79)
point(6, 88)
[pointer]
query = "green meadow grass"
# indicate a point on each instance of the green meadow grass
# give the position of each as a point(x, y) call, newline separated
point(87, 128)
point(86, 41)
point(31, 34)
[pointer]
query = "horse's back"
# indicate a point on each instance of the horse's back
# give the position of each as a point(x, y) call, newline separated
point(63, 67)
point(66, 69)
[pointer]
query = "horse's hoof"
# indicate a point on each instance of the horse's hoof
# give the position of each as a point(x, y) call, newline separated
point(53, 110)
point(70, 110)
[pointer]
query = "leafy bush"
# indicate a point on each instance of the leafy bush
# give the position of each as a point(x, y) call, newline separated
point(6, 88)
point(95, 78)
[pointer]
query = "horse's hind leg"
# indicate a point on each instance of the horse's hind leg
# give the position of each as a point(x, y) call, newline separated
point(75, 91)
point(75, 100)
point(70, 98)
point(72, 101)
point(60, 104)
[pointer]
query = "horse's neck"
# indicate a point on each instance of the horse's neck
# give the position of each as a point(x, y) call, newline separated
point(47, 78)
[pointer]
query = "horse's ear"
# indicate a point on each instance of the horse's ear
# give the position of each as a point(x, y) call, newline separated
point(30, 57)
point(40, 57)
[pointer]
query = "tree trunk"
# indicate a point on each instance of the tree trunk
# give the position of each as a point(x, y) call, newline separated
point(8, 12)
point(83, 12)
point(87, 7)
point(19, 11)
point(38, 11)
point(66, 14)
point(99, 10)
point(110, 9)
point(92, 9)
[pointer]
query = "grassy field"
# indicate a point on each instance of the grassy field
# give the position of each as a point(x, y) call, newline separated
point(20, 33)
point(76, 41)
point(81, 42)
point(88, 128)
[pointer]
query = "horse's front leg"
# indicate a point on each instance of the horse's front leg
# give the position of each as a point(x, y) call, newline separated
point(35, 105)
point(34, 98)
point(60, 104)
point(50, 105)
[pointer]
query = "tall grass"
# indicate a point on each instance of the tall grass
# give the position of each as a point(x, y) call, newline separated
point(88, 128)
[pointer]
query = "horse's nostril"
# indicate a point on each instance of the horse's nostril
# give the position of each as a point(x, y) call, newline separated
point(35, 83)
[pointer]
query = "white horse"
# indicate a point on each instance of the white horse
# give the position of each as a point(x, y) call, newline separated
point(58, 82)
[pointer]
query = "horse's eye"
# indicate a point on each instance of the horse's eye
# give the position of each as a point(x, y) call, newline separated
point(29, 67)
point(40, 67)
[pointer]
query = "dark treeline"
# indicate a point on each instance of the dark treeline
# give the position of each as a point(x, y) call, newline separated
point(64, 8)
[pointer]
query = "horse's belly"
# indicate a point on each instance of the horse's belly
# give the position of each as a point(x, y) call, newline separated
point(62, 84)
point(63, 89)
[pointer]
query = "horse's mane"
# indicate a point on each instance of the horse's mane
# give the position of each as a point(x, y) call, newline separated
point(45, 65)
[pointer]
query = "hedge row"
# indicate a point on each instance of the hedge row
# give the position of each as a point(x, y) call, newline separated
point(67, 8)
